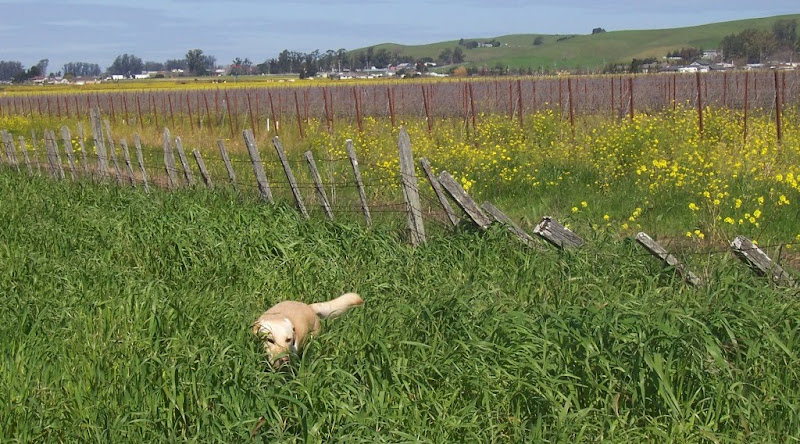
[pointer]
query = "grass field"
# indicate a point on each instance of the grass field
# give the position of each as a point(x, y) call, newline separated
point(125, 318)
point(126, 315)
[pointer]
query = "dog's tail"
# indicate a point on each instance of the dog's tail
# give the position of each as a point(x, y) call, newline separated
point(336, 307)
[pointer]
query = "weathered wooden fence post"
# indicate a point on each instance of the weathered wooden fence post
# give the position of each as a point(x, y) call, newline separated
point(138, 143)
point(351, 154)
point(753, 256)
point(35, 153)
point(99, 142)
point(408, 180)
point(658, 251)
point(501, 217)
point(258, 167)
point(323, 197)
point(437, 189)
point(67, 139)
point(228, 166)
point(290, 177)
point(126, 156)
point(562, 237)
point(84, 156)
point(169, 161)
point(112, 149)
point(25, 155)
point(187, 170)
point(11, 154)
point(203, 171)
point(460, 196)
point(59, 168)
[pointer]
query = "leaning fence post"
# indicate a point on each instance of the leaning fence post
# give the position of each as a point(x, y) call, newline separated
point(351, 154)
point(555, 233)
point(59, 169)
point(187, 171)
point(97, 130)
point(35, 153)
point(658, 251)
point(323, 197)
point(460, 196)
point(51, 164)
point(437, 189)
point(67, 138)
point(83, 149)
point(290, 177)
point(8, 141)
point(113, 151)
point(3, 140)
point(127, 158)
point(501, 217)
point(227, 160)
point(169, 161)
point(203, 171)
point(25, 155)
point(138, 143)
point(258, 167)
point(755, 257)
point(408, 179)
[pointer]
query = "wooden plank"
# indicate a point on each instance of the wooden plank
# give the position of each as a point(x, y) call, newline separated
point(228, 166)
point(501, 217)
point(298, 198)
point(112, 150)
point(408, 180)
point(138, 143)
point(351, 154)
point(23, 147)
point(555, 233)
point(48, 151)
point(126, 156)
point(203, 171)
point(658, 251)
point(35, 153)
point(169, 161)
point(437, 189)
point(323, 197)
point(67, 139)
point(460, 196)
point(100, 145)
point(187, 170)
point(84, 155)
point(755, 257)
point(59, 168)
point(258, 167)
point(11, 150)
point(5, 147)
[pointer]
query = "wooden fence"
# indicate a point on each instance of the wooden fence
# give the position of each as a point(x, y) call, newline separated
point(104, 165)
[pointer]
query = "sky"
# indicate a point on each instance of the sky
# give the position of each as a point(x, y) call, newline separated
point(97, 31)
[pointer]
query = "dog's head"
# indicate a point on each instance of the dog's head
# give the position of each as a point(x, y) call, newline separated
point(278, 338)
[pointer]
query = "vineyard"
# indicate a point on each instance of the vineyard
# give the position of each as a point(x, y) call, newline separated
point(144, 229)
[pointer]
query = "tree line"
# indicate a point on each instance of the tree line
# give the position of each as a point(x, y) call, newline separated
point(755, 46)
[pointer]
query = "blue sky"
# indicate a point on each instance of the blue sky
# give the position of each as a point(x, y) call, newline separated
point(97, 31)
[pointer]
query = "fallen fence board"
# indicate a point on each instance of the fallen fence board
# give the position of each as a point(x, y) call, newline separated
point(755, 257)
point(658, 251)
point(562, 237)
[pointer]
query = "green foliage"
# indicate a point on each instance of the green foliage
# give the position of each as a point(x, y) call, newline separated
point(198, 63)
point(126, 316)
point(126, 65)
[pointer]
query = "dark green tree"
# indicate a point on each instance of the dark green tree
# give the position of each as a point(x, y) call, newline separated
point(126, 65)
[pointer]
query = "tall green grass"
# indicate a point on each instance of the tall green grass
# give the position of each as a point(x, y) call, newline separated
point(125, 317)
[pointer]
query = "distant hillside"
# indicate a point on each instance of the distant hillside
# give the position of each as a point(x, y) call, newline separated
point(586, 51)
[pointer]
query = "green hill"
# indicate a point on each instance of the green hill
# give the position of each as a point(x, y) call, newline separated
point(587, 51)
